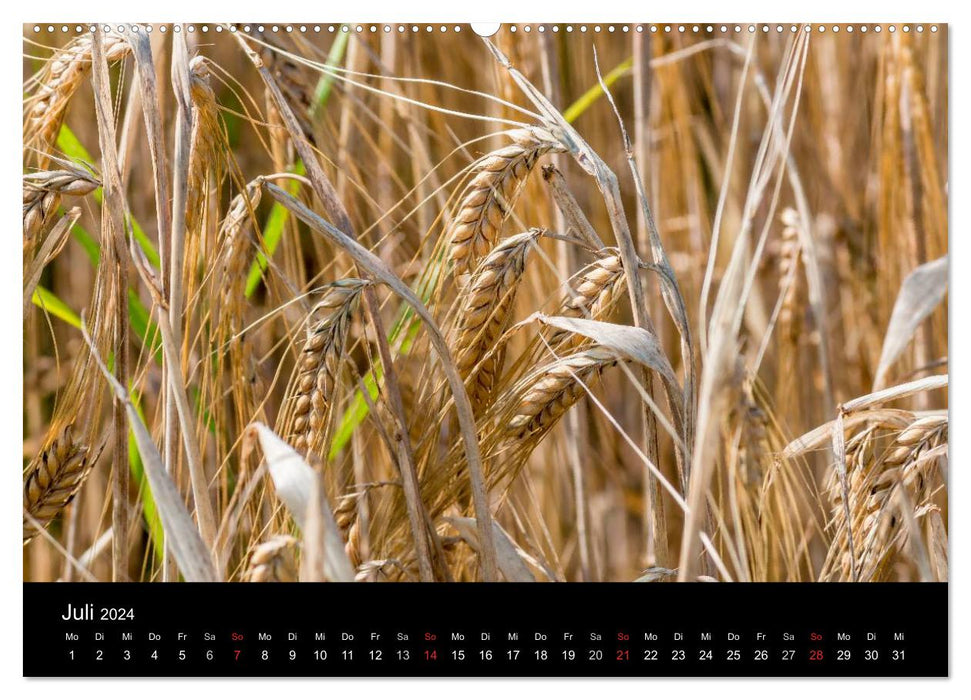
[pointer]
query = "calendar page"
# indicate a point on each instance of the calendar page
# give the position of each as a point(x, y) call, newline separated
point(655, 312)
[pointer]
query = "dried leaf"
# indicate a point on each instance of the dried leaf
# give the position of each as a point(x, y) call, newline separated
point(938, 381)
point(296, 483)
point(631, 342)
point(510, 563)
point(655, 574)
point(919, 295)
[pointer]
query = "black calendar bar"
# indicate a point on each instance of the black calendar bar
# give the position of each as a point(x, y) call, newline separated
point(628, 629)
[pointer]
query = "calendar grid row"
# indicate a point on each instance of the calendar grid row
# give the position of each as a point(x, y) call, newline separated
point(648, 654)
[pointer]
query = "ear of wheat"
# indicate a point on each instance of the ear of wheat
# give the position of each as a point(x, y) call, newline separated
point(319, 364)
point(498, 179)
point(598, 289)
point(43, 191)
point(486, 313)
point(873, 480)
point(273, 561)
point(232, 236)
point(228, 297)
point(346, 516)
point(53, 479)
point(59, 81)
point(754, 443)
point(204, 137)
point(553, 389)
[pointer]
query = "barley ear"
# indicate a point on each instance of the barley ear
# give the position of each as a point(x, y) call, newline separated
point(43, 191)
point(497, 181)
point(59, 80)
point(600, 287)
point(551, 390)
point(319, 363)
point(486, 313)
point(273, 561)
point(53, 479)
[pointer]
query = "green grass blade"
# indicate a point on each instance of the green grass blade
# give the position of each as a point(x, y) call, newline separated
point(138, 315)
point(326, 82)
point(50, 302)
point(149, 511)
point(587, 99)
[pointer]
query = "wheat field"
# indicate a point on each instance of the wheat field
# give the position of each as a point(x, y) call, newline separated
point(402, 304)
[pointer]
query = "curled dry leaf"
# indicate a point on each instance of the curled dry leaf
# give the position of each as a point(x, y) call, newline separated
point(511, 564)
point(919, 295)
point(296, 483)
point(630, 342)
